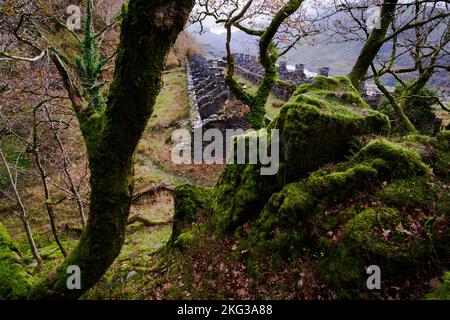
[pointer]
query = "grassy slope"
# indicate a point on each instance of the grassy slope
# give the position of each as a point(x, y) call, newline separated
point(153, 161)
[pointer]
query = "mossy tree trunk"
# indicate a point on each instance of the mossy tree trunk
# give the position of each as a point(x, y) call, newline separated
point(268, 56)
point(373, 44)
point(149, 29)
point(403, 121)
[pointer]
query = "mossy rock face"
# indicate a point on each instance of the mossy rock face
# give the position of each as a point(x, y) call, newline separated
point(14, 281)
point(336, 185)
point(392, 160)
point(342, 271)
point(435, 151)
point(318, 122)
point(387, 204)
point(190, 203)
point(412, 194)
point(443, 139)
point(380, 232)
point(315, 128)
point(380, 162)
point(238, 195)
point(280, 226)
point(402, 225)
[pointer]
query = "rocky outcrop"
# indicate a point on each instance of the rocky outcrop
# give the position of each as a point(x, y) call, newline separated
point(316, 128)
point(343, 193)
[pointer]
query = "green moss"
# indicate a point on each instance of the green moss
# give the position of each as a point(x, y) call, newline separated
point(302, 204)
point(443, 138)
point(342, 271)
point(5, 238)
point(434, 150)
point(51, 251)
point(184, 240)
point(365, 232)
point(339, 184)
point(392, 160)
point(190, 203)
point(279, 227)
point(287, 207)
point(14, 281)
point(328, 110)
point(236, 197)
point(419, 139)
point(442, 163)
point(417, 193)
point(324, 222)
point(443, 291)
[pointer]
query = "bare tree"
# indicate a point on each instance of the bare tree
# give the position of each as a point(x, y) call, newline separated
point(425, 50)
point(23, 212)
point(69, 180)
point(272, 44)
point(35, 146)
point(406, 27)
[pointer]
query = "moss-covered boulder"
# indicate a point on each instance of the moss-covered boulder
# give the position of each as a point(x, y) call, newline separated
point(334, 185)
point(382, 201)
point(14, 281)
point(342, 271)
point(315, 127)
point(383, 206)
point(191, 203)
point(381, 232)
point(392, 160)
point(412, 194)
point(280, 227)
point(238, 195)
point(318, 122)
point(442, 155)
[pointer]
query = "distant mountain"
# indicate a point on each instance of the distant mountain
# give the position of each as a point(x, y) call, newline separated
point(339, 57)
point(214, 43)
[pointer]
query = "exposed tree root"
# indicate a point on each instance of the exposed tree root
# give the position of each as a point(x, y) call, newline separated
point(146, 222)
point(151, 192)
